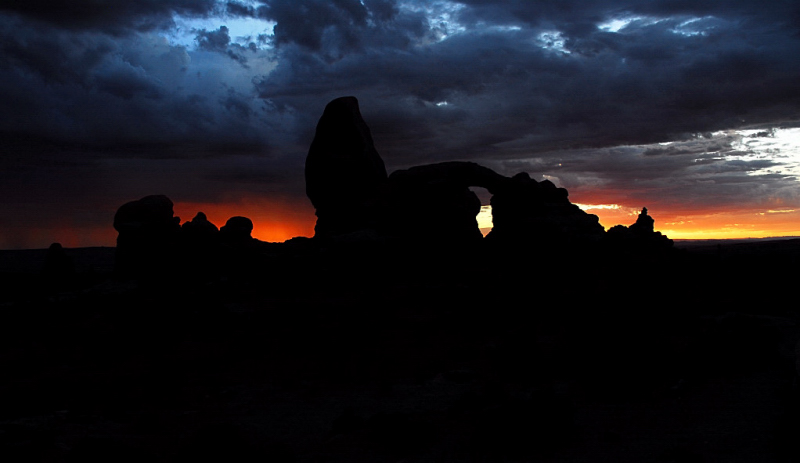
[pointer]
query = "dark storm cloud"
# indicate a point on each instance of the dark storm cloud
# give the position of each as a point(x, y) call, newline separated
point(578, 16)
point(506, 86)
point(111, 16)
point(220, 41)
point(240, 9)
point(214, 40)
point(89, 88)
point(545, 78)
point(305, 22)
point(334, 29)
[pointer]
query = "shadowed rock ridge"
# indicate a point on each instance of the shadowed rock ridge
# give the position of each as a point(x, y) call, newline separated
point(428, 207)
point(152, 243)
point(430, 203)
point(525, 210)
point(641, 234)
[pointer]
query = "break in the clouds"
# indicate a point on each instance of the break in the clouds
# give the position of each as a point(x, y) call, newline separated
point(661, 102)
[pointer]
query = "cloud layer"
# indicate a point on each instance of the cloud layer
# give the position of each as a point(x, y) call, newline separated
point(107, 100)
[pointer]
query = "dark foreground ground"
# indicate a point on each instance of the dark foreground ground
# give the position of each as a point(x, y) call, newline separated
point(343, 356)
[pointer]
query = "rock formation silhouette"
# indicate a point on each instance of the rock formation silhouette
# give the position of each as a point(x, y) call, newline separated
point(434, 203)
point(237, 231)
point(347, 184)
point(345, 176)
point(525, 210)
point(152, 244)
point(644, 224)
point(199, 247)
point(423, 207)
point(59, 268)
point(641, 234)
point(148, 236)
point(57, 263)
point(199, 230)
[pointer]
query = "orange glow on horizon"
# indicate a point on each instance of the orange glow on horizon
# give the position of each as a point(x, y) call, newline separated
point(276, 221)
point(273, 221)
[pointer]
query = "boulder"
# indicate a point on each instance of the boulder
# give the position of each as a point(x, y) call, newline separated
point(237, 230)
point(57, 263)
point(148, 232)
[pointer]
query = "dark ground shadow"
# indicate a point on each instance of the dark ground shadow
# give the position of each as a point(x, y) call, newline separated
point(354, 355)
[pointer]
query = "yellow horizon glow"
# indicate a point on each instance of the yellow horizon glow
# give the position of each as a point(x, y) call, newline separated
point(766, 223)
point(277, 221)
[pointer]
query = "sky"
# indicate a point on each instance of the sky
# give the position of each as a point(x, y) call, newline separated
point(690, 108)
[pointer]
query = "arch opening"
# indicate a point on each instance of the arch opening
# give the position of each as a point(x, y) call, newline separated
point(484, 217)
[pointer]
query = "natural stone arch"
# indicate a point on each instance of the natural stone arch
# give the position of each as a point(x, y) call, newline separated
point(347, 184)
point(440, 196)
